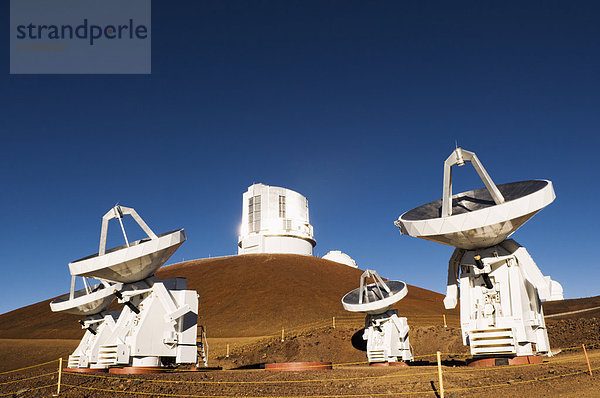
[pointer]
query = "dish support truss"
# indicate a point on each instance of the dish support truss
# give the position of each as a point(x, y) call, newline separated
point(387, 337)
point(458, 157)
point(500, 288)
point(118, 212)
point(379, 286)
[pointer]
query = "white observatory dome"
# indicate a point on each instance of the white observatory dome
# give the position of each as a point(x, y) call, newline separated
point(275, 220)
point(339, 257)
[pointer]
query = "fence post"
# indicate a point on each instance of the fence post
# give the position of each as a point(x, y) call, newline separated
point(439, 363)
point(445, 324)
point(282, 333)
point(333, 322)
point(587, 359)
point(59, 375)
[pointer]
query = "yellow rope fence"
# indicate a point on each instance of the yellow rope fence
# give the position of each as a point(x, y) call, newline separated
point(319, 380)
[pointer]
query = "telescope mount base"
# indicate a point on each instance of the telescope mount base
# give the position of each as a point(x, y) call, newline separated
point(86, 370)
point(504, 361)
point(296, 366)
point(399, 363)
point(131, 370)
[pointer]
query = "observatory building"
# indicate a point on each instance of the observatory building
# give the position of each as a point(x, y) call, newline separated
point(275, 220)
point(340, 257)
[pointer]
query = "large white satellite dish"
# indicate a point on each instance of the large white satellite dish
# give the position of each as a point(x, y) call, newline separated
point(130, 263)
point(157, 325)
point(133, 261)
point(476, 221)
point(500, 284)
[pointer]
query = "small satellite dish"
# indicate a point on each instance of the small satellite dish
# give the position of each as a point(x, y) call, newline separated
point(89, 301)
point(131, 262)
point(386, 333)
point(479, 218)
point(374, 298)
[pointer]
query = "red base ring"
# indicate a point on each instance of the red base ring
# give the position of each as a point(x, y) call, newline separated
point(398, 363)
point(504, 361)
point(132, 370)
point(85, 370)
point(199, 369)
point(292, 366)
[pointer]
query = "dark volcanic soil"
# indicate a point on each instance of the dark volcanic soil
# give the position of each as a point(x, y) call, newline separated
point(339, 345)
point(573, 332)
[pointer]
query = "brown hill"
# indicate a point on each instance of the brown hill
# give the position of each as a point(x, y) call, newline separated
point(573, 305)
point(259, 294)
point(250, 295)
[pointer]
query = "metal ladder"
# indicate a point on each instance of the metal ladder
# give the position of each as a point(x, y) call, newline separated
point(202, 348)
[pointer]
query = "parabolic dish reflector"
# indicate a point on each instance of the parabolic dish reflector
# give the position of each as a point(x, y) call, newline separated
point(477, 221)
point(130, 263)
point(378, 301)
point(84, 303)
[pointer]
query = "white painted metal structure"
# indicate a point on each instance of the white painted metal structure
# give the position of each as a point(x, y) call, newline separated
point(385, 332)
point(275, 220)
point(340, 257)
point(157, 325)
point(500, 284)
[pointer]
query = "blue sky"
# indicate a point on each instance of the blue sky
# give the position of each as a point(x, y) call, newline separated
point(354, 104)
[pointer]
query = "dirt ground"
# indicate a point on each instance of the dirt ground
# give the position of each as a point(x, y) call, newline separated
point(339, 345)
point(19, 353)
point(562, 375)
point(571, 332)
point(240, 311)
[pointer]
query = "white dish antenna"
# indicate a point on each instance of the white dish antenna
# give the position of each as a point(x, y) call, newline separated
point(115, 267)
point(479, 218)
point(133, 261)
point(158, 322)
point(88, 301)
point(374, 298)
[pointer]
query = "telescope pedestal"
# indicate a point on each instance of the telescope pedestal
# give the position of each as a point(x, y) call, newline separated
point(98, 331)
point(504, 361)
point(500, 292)
point(387, 338)
point(132, 370)
point(399, 363)
point(85, 370)
point(157, 326)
